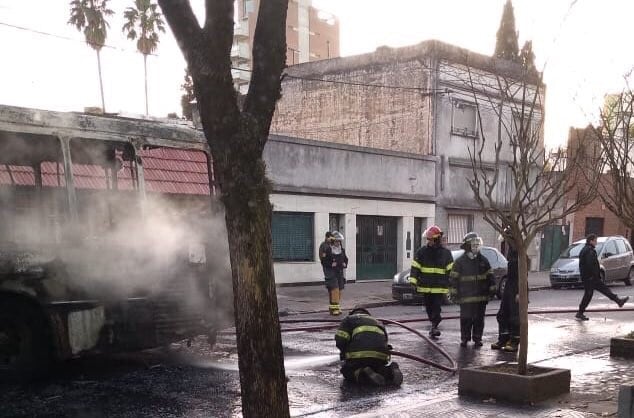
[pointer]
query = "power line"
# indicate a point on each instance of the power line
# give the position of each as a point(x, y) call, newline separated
point(66, 38)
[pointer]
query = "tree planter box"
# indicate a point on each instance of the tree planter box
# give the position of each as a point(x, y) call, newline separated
point(622, 347)
point(501, 381)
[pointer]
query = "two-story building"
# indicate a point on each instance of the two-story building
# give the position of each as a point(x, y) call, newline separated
point(431, 99)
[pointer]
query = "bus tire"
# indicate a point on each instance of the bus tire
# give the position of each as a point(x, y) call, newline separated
point(25, 345)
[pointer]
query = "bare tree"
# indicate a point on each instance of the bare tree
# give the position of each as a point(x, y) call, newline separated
point(521, 188)
point(237, 137)
point(615, 134)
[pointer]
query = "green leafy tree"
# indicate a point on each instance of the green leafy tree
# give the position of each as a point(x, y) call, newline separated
point(506, 45)
point(237, 136)
point(188, 95)
point(143, 22)
point(90, 16)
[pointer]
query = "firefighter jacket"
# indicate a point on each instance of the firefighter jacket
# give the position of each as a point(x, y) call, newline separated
point(361, 337)
point(335, 261)
point(430, 270)
point(472, 280)
point(325, 254)
point(589, 268)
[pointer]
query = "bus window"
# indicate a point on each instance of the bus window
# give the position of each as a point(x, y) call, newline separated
point(33, 204)
point(106, 183)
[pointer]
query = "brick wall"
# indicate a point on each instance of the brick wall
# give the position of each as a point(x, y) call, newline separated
point(366, 116)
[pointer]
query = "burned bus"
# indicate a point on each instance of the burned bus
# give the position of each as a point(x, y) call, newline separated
point(104, 236)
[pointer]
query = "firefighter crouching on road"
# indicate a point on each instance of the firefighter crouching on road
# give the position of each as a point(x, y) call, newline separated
point(472, 284)
point(430, 275)
point(362, 343)
point(334, 261)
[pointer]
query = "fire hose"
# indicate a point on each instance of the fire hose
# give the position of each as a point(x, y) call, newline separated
point(454, 367)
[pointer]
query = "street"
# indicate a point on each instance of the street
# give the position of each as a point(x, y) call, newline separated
point(194, 381)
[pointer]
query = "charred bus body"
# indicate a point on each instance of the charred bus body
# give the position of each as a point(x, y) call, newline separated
point(104, 236)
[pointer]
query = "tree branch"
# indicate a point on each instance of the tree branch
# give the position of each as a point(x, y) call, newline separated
point(182, 21)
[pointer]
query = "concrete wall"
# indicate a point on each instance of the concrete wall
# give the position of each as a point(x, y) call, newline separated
point(310, 271)
point(304, 166)
point(323, 179)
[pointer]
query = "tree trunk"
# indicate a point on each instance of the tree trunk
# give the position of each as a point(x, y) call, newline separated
point(103, 102)
point(245, 193)
point(522, 265)
point(145, 79)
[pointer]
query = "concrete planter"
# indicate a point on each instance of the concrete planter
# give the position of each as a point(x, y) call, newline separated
point(622, 347)
point(501, 382)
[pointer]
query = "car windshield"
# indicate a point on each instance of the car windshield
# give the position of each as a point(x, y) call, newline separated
point(574, 250)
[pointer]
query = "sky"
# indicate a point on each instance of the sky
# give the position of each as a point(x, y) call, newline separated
point(583, 47)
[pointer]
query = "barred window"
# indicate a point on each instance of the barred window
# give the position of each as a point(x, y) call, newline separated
point(459, 225)
point(293, 238)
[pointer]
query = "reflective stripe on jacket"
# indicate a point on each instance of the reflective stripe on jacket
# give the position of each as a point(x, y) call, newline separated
point(362, 337)
point(430, 270)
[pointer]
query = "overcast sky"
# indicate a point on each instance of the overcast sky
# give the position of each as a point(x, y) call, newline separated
point(583, 46)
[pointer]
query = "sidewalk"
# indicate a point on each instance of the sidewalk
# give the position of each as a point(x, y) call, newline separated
point(314, 298)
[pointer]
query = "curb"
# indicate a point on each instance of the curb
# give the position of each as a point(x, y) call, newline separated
point(285, 313)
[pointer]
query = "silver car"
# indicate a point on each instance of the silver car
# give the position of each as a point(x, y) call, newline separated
point(616, 261)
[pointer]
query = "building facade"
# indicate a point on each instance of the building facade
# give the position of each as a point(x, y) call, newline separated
point(430, 99)
point(311, 35)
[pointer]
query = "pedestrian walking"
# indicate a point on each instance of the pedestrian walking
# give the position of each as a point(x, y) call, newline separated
point(591, 277)
point(363, 346)
point(430, 275)
point(334, 262)
point(508, 315)
point(472, 285)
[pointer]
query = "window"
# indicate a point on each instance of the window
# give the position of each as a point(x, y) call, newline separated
point(620, 245)
point(464, 119)
point(247, 7)
point(459, 225)
point(594, 226)
point(610, 248)
point(292, 234)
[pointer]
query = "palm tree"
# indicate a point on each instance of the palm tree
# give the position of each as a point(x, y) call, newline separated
point(143, 21)
point(90, 16)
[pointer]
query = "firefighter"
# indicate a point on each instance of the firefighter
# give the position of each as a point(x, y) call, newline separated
point(472, 284)
point(430, 275)
point(508, 314)
point(334, 262)
point(362, 343)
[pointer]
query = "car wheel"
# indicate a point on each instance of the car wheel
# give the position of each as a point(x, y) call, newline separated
point(501, 287)
point(24, 344)
point(630, 276)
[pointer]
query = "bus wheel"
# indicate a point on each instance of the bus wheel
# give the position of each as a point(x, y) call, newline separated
point(24, 347)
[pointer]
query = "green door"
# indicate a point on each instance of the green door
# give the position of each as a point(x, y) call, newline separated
point(376, 247)
point(554, 240)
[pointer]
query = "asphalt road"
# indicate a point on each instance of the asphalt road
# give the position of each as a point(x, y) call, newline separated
point(199, 382)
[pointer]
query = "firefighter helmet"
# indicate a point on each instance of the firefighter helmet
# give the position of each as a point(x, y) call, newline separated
point(357, 311)
point(338, 236)
point(471, 242)
point(433, 232)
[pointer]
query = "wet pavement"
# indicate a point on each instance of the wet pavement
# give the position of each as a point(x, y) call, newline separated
point(199, 382)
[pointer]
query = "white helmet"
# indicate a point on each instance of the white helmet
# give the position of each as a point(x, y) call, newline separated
point(338, 236)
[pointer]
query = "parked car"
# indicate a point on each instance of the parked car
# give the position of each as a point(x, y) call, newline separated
point(404, 292)
point(616, 261)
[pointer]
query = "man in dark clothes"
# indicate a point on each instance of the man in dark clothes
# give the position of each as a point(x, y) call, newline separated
point(508, 315)
point(362, 343)
point(591, 277)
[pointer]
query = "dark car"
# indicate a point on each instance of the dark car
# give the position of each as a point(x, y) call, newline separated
point(404, 292)
point(616, 261)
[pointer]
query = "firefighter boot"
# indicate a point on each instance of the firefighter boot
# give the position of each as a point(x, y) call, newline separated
point(334, 307)
point(368, 375)
point(397, 375)
point(512, 345)
point(434, 331)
